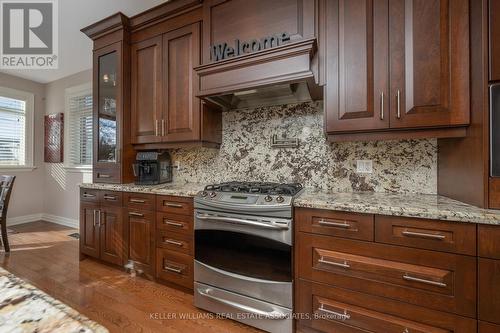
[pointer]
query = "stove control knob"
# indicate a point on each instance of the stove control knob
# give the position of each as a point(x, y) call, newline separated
point(268, 198)
point(212, 194)
point(280, 199)
point(204, 193)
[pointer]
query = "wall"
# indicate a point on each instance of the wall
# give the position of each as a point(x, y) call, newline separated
point(245, 154)
point(61, 197)
point(27, 196)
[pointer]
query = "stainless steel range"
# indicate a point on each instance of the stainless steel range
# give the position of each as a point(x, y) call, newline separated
point(243, 252)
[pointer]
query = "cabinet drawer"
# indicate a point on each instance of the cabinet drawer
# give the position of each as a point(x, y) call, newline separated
point(338, 310)
point(432, 279)
point(174, 267)
point(332, 223)
point(110, 198)
point(489, 241)
point(175, 241)
point(426, 234)
point(109, 175)
point(177, 223)
point(139, 201)
point(89, 195)
point(174, 205)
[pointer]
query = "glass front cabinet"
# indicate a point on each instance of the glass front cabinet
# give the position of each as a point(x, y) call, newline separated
point(111, 104)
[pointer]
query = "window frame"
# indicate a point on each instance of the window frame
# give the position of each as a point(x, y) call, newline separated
point(29, 130)
point(70, 92)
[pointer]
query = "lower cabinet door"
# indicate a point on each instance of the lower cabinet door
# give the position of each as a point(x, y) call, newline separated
point(111, 235)
point(331, 309)
point(489, 290)
point(140, 228)
point(89, 229)
point(174, 267)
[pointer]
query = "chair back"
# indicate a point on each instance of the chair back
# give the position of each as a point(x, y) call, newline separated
point(6, 185)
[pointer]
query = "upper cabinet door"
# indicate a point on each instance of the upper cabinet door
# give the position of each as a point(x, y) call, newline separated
point(357, 65)
point(429, 57)
point(494, 42)
point(146, 75)
point(181, 107)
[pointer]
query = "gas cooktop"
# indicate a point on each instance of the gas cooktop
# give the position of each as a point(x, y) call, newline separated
point(257, 188)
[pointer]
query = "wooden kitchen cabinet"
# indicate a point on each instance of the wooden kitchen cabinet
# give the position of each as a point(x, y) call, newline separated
point(429, 71)
point(101, 227)
point(89, 230)
point(165, 109)
point(141, 240)
point(181, 107)
point(112, 150)
point(494, 39)
point(146, 73)
point(357, 65)
point(385, 73)
point(111, 234)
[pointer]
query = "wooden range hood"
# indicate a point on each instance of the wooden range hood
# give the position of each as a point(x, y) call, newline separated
point(280, 75)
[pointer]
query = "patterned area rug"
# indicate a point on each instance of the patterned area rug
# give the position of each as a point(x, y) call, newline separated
point(24, 308)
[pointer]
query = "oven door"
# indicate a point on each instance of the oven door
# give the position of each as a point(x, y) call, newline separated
point(248, 255)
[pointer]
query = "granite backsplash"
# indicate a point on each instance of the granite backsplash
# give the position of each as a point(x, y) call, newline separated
point(245, 154)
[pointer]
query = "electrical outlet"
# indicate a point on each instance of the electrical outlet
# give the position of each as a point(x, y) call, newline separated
point(178, 165)
point(364, 166)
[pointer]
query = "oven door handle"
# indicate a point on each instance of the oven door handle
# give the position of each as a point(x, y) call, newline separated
point(264, 314)
point(235, 220)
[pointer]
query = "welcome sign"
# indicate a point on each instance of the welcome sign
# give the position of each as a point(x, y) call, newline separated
point(223, 51)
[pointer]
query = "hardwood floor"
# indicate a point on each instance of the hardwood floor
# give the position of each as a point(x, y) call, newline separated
point(43, 254)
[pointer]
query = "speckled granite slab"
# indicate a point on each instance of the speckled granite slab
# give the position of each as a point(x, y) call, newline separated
point(397, 204)
point(176, 189)
point(24, 308)
point(427, 206)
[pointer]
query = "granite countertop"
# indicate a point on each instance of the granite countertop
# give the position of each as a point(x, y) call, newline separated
point(177, 189)
point(397, 204)
point(24, 308)
point(427, 206)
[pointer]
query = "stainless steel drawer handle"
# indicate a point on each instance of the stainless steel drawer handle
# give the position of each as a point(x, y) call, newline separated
point(398, 100)
point(170, 204)
point(110, 197)
point(173, 269)
point(86, 195)
point(270, 225)
point(175, 224)
point(137, 200)
point(423, 235)
point(135, 214)
point(344, 264)
point(173, 242)
point(334, 224)
point(248, 309)
point(382, 105)
point(101, 175)
point(338, 315)
point(433, 283)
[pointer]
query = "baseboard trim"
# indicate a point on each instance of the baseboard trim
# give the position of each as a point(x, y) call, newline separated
point(43, 217)
point(23, 219)
point(61, 220)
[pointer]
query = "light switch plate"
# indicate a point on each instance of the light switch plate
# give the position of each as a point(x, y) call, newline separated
point(364, 166)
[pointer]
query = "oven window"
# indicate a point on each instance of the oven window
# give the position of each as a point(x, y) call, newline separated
point(247, 255)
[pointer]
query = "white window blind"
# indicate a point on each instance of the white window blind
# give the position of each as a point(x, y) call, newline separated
point(79, 115)
point(12, 132)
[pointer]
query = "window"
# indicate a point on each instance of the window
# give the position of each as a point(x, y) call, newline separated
point(16, 128)
point(79, 127)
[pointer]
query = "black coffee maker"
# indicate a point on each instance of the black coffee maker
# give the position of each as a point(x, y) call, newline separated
point(152, 167)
